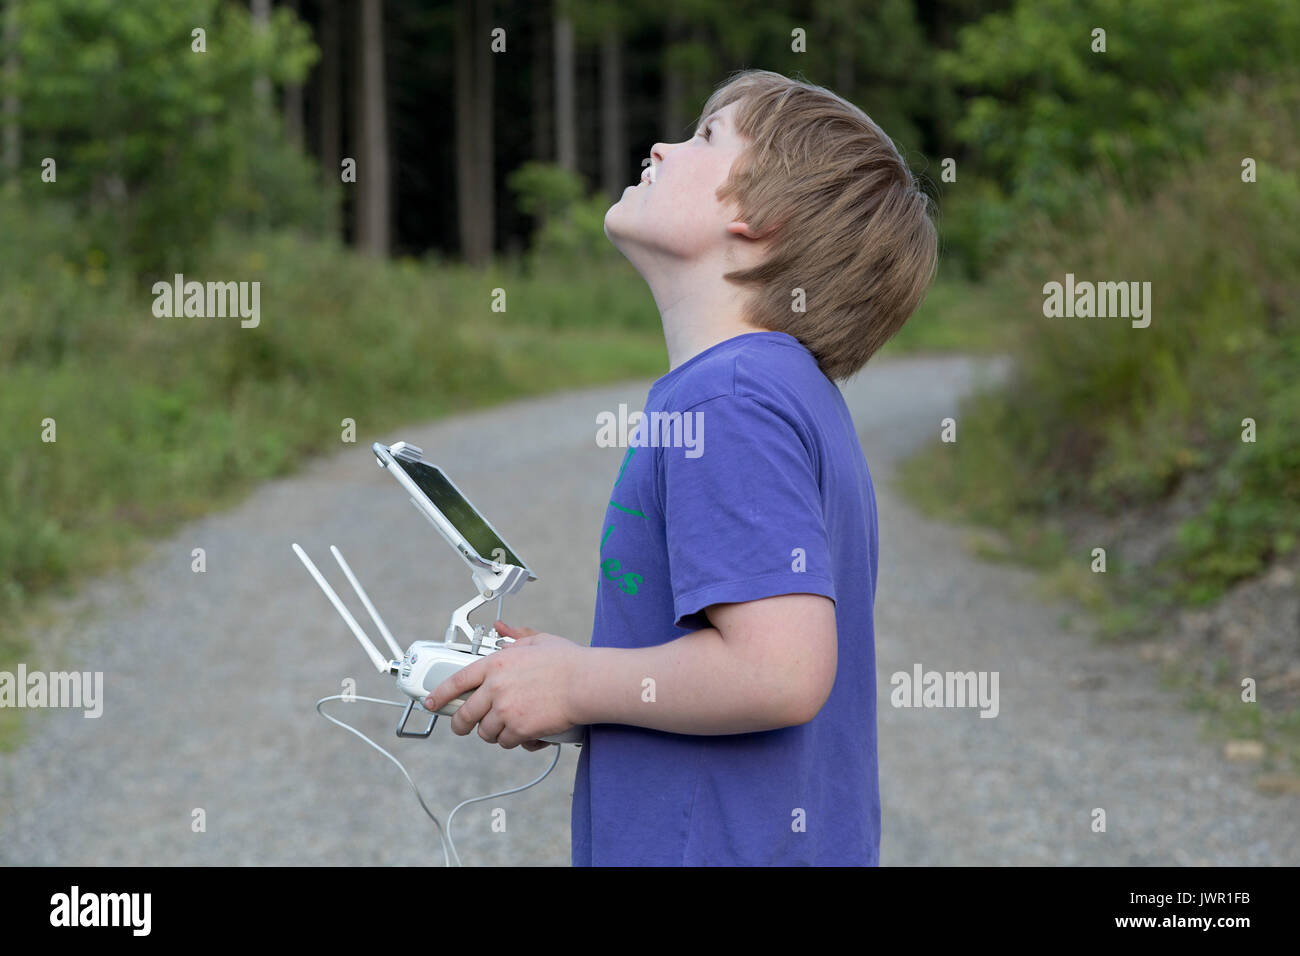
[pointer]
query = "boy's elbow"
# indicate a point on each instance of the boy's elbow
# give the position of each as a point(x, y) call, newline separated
point(807, 705)
point(815, 672)
point(787, 644)
point(811, 683)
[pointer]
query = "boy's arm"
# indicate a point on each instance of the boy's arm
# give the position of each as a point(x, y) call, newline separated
point(764, 664)
point(763, 655)
point(767, 664)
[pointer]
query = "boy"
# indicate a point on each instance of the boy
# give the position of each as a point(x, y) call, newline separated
point(730, 686)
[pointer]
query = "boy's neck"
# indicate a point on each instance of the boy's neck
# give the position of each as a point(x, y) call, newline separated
point(698, 318)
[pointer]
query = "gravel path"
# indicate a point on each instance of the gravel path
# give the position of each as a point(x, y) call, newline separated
point(210, 679)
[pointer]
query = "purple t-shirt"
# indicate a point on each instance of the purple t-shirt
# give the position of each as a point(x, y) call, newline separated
point(749, 484)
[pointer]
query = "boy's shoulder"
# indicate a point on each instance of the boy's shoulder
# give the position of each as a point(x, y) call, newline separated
point(772, 368)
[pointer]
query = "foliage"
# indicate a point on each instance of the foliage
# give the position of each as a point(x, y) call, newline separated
point(545, 190)
point(160, 420)
point(1043, 108)
point(571, 228)
point(156, 143)
point(1108, 417)
point(1043, 104)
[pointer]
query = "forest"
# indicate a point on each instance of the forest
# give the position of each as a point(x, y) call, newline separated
point(378, 170)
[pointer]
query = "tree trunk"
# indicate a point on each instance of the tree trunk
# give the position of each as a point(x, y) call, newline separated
point(331, 122)
point(373, 220)
point(566, 111)
point(613, 128)
point(261, 15)
point(838, 29)
point(671, 117)
point(466, 176)
point(293, 120)
point(543, 135)
point(484, 142)
point(475, 182)
point(13, 131)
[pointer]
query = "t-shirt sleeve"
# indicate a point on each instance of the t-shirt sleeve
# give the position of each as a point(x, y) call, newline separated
point(743, 517)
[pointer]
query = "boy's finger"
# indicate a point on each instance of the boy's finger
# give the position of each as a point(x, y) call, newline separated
point(459, 683)
point(504, 628)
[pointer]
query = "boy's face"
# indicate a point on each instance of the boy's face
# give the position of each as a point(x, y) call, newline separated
point(674, 211)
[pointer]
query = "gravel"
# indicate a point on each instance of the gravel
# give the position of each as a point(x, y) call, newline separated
point(211, 678)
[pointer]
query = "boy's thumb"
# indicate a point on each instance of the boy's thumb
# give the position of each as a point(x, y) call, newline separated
point(504, 628)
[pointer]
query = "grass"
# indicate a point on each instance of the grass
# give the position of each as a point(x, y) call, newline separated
point(1105, 420)
point(157, 421)
point(1227, 717)
point(957, 316)
point(160, 420)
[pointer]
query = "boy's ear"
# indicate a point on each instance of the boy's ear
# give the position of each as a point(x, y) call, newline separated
point(742, 229)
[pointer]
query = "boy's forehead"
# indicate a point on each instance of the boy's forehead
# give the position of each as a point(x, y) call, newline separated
point(721, 114)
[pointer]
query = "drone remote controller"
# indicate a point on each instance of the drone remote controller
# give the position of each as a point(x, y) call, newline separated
point(426, 664)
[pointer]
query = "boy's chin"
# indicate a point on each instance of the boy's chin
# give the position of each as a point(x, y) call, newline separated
point(617, 229)
point(633, 236)
point(622, 245)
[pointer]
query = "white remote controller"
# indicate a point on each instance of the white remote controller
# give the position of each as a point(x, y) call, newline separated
point(427, 664)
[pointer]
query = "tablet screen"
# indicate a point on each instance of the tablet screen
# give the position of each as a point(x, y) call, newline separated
point(430, 480)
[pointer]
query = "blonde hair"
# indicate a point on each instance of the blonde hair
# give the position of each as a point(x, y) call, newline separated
point(848, 224)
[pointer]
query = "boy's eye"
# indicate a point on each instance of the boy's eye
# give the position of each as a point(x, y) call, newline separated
point(703, 132)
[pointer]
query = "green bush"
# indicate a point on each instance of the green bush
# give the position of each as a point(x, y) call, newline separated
point(155, 143)
point(1108, 417)
point(1042, 105)
point(163, 419)
point(544, 190)
point(1050, 124)
point(570, 228)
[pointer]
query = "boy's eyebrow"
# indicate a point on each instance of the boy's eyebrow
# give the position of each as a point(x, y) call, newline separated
point(715, 115)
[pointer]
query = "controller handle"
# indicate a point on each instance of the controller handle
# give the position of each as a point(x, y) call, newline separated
point(573, 735)
point(427, 664)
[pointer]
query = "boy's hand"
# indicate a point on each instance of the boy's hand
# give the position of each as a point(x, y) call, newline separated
point(523, 690)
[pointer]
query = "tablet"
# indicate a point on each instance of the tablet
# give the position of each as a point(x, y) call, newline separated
point(448, 510)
